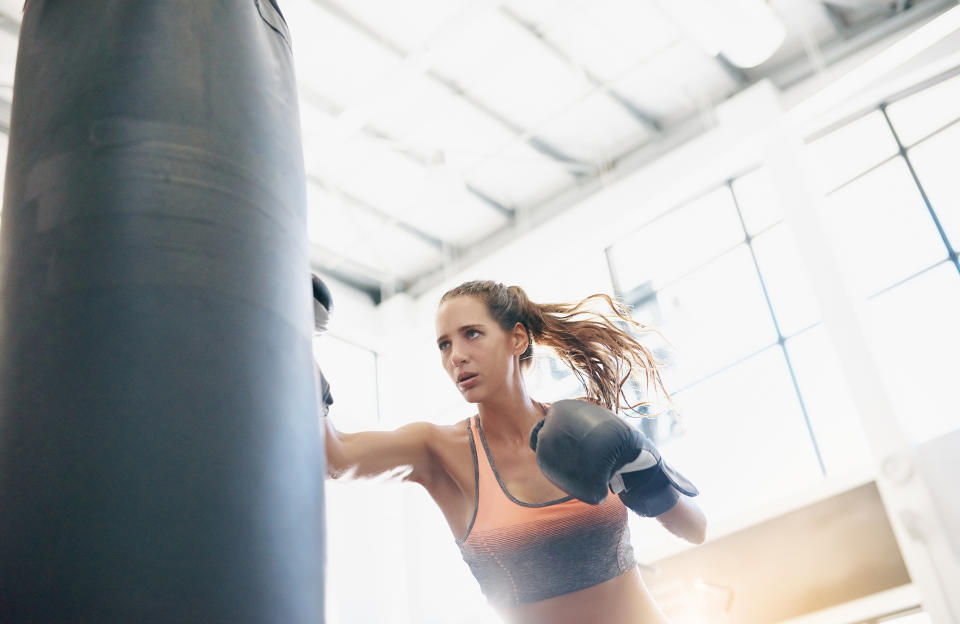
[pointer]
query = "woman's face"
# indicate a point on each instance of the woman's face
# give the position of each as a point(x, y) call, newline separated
point(477, 354)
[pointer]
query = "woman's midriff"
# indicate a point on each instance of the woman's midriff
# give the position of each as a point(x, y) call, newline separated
point(621, 600)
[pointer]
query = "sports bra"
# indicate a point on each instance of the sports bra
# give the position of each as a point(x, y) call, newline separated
point(524, 552)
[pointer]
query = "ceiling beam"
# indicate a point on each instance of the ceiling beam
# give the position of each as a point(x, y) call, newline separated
point(837, 19)
point(675, 135)
point(509, 213)
point(352, 278)
point(6, 110)
point(388, 218)
point(737, 74)
point(9, 24)
point(860, 37)
point(534, 216)
point(644, 118)
point(335, 9)
point(323, 104)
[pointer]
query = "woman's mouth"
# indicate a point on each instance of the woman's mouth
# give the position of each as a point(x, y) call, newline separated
point(467, 380)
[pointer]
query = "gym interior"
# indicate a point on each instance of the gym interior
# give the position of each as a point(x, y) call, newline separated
point(770, 185)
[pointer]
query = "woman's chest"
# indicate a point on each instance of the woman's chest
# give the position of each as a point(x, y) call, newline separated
point(517, 472)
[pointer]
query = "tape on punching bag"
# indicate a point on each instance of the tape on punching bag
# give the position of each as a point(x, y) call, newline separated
point(160, 454)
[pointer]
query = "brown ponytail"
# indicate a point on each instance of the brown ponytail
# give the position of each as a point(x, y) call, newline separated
point(602, 355)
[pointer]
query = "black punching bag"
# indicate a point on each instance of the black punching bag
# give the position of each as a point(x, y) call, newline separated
point(160, 453)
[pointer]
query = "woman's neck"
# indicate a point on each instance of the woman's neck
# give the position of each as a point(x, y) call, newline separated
point(509, 417)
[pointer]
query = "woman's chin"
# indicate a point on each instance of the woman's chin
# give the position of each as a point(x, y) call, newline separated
point(470, 395)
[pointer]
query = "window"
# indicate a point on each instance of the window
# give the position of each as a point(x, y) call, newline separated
point(677, 242)
point(926, 112)
point(746, 441)
point(714, 300)
point(935, 161)
point(757, 201)
point(915, 336)
point(880, 228)
point(714, 317)
point(829, 406)
point(851, 150)
point(791, 294)
point(748, 361)
point(895, 228)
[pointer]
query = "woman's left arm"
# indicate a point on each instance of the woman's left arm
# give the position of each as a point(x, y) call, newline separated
point(686, 520)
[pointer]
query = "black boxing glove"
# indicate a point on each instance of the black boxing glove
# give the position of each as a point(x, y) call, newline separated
point(322, 305)
point(325, 399)
point(588, 451)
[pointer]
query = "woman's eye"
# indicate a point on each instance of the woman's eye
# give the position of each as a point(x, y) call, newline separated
point(443, 345)
point(472, 333)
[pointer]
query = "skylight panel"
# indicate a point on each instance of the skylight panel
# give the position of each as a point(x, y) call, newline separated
point(378, 174)
point(506, 68)
point(448, 211)
point(677, 82)
point(350, 232)
point(519, 176)
point(334, 58)
point(334, 224)
point(445, 127)
point(608, 37)
point(595, 129)
point(410, 24)
point(803, 19)
point(399, 252)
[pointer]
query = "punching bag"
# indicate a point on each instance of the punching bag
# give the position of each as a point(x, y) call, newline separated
point(160, 453)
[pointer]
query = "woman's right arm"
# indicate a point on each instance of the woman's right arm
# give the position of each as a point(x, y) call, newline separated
point(372, 453)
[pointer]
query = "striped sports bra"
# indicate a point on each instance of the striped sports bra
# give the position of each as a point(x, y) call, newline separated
point(523, 552)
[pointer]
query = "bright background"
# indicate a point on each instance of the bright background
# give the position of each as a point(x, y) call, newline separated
point(772, 185)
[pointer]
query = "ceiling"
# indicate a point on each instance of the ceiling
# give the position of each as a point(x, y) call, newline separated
point(433, 127)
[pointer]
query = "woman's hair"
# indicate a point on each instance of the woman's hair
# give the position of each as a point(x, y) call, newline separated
point(602, 354)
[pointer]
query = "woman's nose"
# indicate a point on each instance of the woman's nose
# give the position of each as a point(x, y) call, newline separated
point(457, 356)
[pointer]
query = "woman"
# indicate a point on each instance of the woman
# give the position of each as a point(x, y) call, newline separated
point(540, 555)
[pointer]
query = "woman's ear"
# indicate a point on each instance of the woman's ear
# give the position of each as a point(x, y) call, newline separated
point(520, 338)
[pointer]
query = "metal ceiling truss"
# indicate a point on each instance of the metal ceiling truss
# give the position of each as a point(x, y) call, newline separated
point(644, 118)
point(509, 213)
point(620, 167)
point(356, 275)
point(677, 134)
point(354, 279)
point(451, 85)
point(837, 18)
point(9, 24)
point(351, 278)
point(388, 218)
point(6, 108)
point(857, 37)
point(738, 75)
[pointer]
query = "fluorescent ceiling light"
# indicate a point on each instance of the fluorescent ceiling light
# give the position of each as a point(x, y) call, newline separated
point(746, 32)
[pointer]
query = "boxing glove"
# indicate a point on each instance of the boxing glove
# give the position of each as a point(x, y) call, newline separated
point(588, 451)
point(322, 305)
point(325, 399)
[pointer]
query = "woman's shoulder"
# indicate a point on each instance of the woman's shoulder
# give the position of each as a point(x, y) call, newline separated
point(438, 436)
point(453, 432)
point(450, 446)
